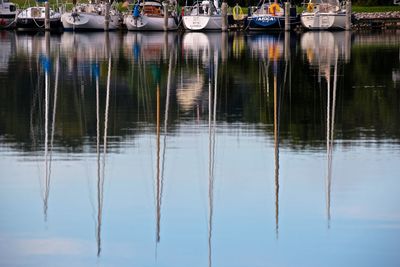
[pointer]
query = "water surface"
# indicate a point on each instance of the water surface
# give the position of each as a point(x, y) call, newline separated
point(156, 149)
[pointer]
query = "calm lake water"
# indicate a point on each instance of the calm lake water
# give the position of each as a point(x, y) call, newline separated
point(156, 149)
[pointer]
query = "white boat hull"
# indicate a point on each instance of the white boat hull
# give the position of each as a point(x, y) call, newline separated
point(145, 23)
point(202, 23)
point(88, 21)
point(323, 21)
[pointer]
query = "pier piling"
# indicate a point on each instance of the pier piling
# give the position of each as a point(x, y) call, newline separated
point(165, 8)
point(224, 11)
point(46, 16)
point(348, 15)
point(107, 18)
point(287, 14)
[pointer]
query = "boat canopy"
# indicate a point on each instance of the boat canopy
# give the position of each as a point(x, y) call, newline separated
point(329, 2)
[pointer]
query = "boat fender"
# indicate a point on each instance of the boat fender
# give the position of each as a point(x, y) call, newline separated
point(136, 11)
point(274, 8)
point(310, 7)
point(237, 13)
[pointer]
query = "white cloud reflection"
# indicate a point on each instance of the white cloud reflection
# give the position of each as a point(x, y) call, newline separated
point(51, 246)
point(43, 246)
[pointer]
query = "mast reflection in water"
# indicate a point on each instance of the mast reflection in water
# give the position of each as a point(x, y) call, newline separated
point(101, 167)
point(231, 149)
point(323, 52)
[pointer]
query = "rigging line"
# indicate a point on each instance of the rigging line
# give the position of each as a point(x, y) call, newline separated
point(48, 177)
point(212, 132)
point(98, 131)
point(101, 182)
point(334, 96)
point(281, 97)
point(46, 137)
point(267, 76)
point(328, 118)
point(36, 106)
point(158, 184)
point(330, 139)
point(46, 66)
point(215, 107)
point(276, 152)
point(166, 125)
point(210, 178)
point(265, 85)
point(33, 106)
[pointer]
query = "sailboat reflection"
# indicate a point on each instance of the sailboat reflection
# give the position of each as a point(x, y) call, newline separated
point(149, 51)
point(101, 165)
point(197, 48)
point(84, 48)
point(8, 43)
point(149, 46)
point(201, 52)
point(46, 64)
point(324, 50)
point(270, 49)
point(160, 170)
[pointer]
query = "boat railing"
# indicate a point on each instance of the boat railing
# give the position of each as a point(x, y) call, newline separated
point(323, 7)
point(200, 9)
point(273, 9)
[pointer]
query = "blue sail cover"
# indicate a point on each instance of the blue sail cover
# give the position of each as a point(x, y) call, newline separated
point(45, 61)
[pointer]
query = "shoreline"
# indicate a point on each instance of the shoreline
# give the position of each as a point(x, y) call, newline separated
point(376, 20)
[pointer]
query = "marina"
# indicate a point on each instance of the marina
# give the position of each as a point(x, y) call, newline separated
point(200, 16)
point(152, 134)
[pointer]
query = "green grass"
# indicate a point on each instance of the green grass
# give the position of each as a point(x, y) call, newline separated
point(357, 9)
point(27, 3)
point(363, 9)
point(53, 3)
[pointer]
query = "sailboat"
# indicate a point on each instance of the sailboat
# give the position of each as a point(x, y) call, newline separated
point(91, 17)
point(149, 16)
point(33, 18)
point(269, 16)
point(324, 15)
point(8, 14)
point(203, 16)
